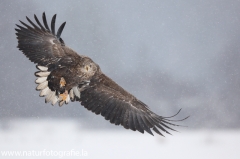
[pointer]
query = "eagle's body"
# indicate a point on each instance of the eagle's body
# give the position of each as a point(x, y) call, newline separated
point(65, 75)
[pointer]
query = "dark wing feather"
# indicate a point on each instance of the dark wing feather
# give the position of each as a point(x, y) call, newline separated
point(103, 96)
point(41, 45)
point(53, 24)
point(59, 32)
point(35, 17)
point(45, 21)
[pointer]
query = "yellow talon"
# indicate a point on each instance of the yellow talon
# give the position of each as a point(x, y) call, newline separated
point(63, 96)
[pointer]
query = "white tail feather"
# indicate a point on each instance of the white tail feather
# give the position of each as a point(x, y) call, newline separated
point(71, 95)
point(54, 100)
point(42, 85)
point(43, 74)
point(76, 92)
point(67, 100)
point(61, 103)
point(41, 79)
point(42, 68)
point(44, 92)
point(50, 96)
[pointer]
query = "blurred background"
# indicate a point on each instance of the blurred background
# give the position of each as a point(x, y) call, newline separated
point(169, 54)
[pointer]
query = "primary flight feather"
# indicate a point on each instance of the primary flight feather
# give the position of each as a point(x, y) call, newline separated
point(66, 76)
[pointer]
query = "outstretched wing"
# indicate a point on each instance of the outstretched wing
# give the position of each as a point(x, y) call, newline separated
point(103, 96)
point(42, 45)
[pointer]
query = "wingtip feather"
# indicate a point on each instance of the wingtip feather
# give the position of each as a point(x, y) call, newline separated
point(53, 23)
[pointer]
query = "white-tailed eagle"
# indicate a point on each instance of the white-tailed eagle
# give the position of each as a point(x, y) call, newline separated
point(66, 76)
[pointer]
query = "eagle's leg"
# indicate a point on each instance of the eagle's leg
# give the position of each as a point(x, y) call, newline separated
point(62, 82)
point(64, 97)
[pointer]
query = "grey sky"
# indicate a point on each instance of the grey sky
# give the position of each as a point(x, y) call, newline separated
point(170, 54)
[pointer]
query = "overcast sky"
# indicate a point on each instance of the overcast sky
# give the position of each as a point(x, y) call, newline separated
point(170, 54)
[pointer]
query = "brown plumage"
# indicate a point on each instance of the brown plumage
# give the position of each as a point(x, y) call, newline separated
point(65, 75)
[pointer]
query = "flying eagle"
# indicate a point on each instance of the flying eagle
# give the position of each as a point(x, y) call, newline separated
point(66, 76)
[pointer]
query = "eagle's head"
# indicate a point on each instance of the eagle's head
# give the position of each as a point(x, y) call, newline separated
point(87, 67)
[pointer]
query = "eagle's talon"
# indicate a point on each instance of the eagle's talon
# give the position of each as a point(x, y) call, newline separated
point(64, 96)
